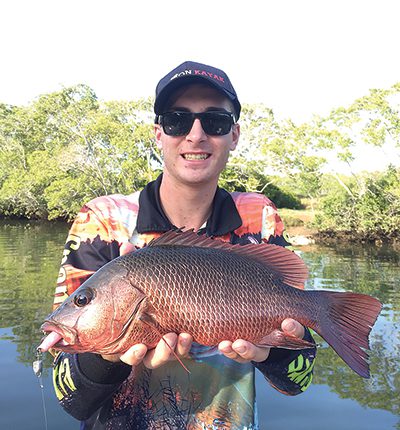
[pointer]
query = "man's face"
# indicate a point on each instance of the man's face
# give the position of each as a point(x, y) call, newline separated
point(197, 158)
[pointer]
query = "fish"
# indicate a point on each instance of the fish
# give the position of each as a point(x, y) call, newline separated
point(213, 290)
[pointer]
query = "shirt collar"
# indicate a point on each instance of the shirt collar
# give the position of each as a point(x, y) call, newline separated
point(224, 217)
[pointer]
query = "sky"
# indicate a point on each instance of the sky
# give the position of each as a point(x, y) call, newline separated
point(298, 57)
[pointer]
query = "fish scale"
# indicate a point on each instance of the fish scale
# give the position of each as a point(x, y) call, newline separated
point(183, 282)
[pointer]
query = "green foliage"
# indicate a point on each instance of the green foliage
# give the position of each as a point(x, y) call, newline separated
point(246, 177)
point(368, 207)
point(68, 147)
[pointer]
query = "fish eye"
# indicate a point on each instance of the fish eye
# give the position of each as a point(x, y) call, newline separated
point(84, 297)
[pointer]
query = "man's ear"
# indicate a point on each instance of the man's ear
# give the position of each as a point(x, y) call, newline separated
point(235, 136)
point(157, 134)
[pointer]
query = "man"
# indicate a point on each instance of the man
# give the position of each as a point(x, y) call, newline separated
point(196, 127)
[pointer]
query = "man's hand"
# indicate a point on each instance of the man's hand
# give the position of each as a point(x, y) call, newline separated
point(240, 350)
point(243, 351)
point(156, 357)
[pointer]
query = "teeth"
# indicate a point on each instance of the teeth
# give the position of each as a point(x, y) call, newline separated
point(195, 156)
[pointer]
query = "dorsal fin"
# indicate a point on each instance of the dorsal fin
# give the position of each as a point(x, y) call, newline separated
point(284, 263)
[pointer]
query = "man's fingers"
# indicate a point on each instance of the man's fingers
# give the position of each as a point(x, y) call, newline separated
point(126, 248)
point(240, 350)
point(293, 328)
point(250, 352)
point(161, 353)
point(243, 351)
point(134, 355)
point(184, 344)
point(226, 348)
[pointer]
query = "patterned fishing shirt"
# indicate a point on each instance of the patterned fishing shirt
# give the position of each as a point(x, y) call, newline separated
point(219, 393)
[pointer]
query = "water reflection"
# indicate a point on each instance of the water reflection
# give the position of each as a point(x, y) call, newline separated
point(31, 252)
point(30, 256)
point(369, 270)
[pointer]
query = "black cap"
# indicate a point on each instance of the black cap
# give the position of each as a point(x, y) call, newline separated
point(189, 72)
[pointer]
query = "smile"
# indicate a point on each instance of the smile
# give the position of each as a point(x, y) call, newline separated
point(195, 156)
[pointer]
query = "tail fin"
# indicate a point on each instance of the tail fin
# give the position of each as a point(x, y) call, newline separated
point(346, 326)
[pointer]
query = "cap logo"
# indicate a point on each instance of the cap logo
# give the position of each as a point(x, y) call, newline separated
point(199, 72)
point(180, 74)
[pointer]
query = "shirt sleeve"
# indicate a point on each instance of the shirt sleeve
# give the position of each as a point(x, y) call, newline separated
point(88, 247)
point(85, 382)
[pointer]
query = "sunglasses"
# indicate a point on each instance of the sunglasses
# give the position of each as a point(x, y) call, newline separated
point(214, 123)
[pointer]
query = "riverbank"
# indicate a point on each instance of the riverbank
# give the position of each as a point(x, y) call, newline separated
point(298, 224)
point(301, 229)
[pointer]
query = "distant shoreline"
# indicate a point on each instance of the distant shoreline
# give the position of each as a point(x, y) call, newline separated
point(299, 235)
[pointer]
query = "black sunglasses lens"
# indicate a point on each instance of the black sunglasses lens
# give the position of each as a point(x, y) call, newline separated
point(216, 123)
point(177, 123)
point(180, 123)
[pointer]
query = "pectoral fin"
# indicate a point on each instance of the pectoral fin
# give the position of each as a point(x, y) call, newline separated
point(153, 325)
point(278, 339)
point(149, 321)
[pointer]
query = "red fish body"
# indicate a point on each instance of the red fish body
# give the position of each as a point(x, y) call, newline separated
point(183, 282)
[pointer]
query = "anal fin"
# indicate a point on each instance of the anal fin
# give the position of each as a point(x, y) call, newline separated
point(278, 339)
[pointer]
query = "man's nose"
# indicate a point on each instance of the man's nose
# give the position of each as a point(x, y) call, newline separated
point(196, 132)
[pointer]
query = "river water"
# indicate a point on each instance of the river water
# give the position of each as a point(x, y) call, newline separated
point(30, 253)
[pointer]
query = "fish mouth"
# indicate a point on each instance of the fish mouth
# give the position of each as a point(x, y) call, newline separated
point(58, 337)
